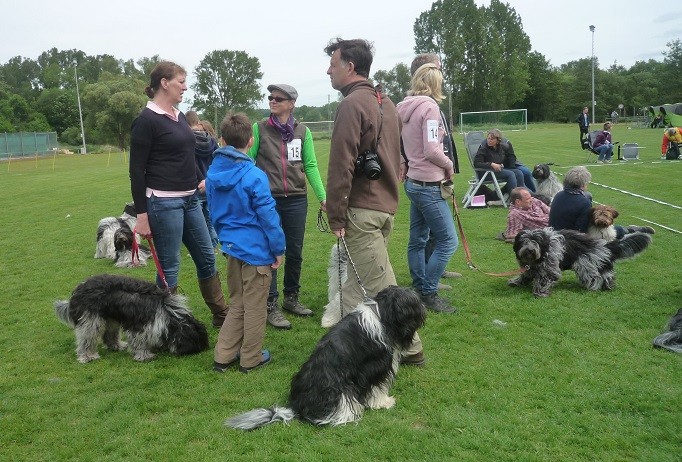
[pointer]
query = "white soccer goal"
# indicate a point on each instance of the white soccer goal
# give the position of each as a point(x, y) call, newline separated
point(505, 120)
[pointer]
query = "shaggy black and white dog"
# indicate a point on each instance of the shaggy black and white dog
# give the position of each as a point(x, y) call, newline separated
point(337, 273)
point(152, 319)
point(352, 367)
point(548, 184)
point(546, 253)
point(115, 239)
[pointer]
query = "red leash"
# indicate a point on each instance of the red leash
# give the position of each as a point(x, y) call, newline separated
point(467, 251)
point(136, 255)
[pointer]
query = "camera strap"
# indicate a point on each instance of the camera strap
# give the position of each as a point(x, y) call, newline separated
point(377, 89)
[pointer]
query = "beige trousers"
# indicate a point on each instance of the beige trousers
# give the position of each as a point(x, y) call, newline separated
point(244, 328)
point(367, 233)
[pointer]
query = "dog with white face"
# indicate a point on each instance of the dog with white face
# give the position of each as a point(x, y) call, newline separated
point(115, 239)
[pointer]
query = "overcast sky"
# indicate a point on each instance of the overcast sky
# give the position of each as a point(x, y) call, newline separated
point(288, 37)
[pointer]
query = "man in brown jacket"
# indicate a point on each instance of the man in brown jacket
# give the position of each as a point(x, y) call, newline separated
point(361, 209)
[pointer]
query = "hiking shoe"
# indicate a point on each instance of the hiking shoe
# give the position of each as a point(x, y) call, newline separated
point(265, 359)
point(444, 286)
point(451, 275)
point(416, 359)
point(435, 303)
point(222, 367)
point(292, 305)
point(275, 317)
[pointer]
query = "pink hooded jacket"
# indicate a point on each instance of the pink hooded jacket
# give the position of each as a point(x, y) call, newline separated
point(422, 137)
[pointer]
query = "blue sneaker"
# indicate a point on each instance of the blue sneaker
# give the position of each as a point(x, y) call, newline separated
point(265, 358)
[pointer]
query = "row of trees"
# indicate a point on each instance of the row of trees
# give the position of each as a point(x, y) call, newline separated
point(487, 59)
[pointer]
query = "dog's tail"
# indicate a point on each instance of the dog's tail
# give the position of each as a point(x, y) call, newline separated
point(257, 418)
point(61, 308)
point(629, 246)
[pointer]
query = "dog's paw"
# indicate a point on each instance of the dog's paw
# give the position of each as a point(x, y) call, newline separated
point(514, 282)
point(120, 346)
point(541, 294)
point(143, 356)
point(85, 358)
point(389, 402)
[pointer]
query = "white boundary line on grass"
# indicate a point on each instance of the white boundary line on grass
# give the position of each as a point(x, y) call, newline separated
point(658, 224)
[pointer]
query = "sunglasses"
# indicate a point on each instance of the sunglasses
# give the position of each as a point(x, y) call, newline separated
point(278, 99)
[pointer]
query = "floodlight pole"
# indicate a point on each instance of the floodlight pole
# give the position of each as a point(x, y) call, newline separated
point(80, 111)
point(593, 102)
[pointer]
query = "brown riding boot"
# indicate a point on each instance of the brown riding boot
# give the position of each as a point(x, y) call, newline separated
point(214, 298)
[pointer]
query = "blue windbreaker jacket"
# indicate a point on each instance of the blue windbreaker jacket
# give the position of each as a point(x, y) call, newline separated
point(242, 209)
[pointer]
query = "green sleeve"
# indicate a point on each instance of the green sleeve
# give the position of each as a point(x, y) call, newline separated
point(310, 166)
point(253, 152)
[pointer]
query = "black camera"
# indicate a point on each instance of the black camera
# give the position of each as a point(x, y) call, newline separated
point(368, 163)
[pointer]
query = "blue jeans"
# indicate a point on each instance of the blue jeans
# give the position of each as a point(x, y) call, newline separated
point(204, 209)
point(175, 220)
point(429, 212)
point(293, 211)
point(512, 176)
point(528, 180)
point(605, 151)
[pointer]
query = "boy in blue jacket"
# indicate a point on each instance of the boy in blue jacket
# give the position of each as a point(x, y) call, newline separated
point(248, 226)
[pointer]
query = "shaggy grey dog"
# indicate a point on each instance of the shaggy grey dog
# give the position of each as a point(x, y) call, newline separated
point(548, 184)
point(545, 253)
point(152, 319)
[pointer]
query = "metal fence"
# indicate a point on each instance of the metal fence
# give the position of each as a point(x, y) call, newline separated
point(321, 129)
point(27, 144)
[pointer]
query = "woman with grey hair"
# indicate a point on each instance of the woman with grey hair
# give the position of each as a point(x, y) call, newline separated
point(571, 207)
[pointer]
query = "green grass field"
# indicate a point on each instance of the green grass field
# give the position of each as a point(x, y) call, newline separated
point(572, 377)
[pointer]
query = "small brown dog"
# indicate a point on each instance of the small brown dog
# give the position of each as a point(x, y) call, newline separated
point(601, 222)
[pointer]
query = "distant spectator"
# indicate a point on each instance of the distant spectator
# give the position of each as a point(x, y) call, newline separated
point(670, 146)
point(603, 144)
point(583, 120)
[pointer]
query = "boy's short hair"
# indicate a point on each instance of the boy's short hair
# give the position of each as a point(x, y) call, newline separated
point(236, 130)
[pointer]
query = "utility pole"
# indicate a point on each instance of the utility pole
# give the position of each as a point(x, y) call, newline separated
point(80, 111)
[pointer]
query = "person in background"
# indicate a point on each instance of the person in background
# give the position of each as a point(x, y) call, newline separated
point(604, 145)
point(525, 212)
point(163, 181)
point(670, 145)
point(449, 149)
point(284, 150)
point(243, 213)
point(425, 166)
point(361, 205)
point(204, 147)
point(583, 120)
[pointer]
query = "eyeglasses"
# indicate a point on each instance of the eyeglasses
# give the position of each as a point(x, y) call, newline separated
point(278, 99)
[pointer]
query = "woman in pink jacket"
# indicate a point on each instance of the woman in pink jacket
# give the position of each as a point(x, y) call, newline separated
point(425, 166)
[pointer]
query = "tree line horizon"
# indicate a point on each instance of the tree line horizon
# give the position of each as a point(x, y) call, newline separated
point(488, 64)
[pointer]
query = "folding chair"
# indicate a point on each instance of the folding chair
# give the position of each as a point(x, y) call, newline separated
point(588, 144)
point(482, 176)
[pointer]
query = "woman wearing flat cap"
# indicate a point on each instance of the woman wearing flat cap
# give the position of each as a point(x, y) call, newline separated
point(283, 149)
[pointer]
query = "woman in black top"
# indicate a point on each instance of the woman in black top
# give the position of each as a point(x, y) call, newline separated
point(164, 181)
